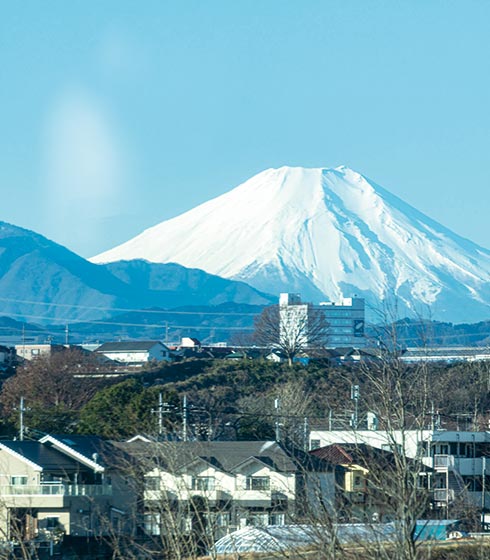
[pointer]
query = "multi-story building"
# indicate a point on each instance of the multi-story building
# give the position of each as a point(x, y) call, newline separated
point(32, 351)
point(345, 320)
point(55, 487)
point(235, 483)
point(460, 461)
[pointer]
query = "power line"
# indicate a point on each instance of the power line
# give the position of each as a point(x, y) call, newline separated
point(127, 309)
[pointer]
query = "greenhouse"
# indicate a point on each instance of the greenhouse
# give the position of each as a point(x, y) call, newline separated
point(276, 538)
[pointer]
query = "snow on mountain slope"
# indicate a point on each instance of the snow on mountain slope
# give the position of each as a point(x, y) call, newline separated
point(326, 233)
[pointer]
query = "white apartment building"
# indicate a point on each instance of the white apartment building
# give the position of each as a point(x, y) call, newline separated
point(241, 483)
point(461, 460)
point(345, 319)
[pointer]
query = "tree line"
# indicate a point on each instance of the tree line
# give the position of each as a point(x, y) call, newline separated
point(230, 399)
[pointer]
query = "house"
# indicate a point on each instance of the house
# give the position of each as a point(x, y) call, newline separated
point(447, 354)
point(135, 352)
point(460, 460)
point(189, 342)
point(235, 483)
point(60, 486)
point(32, 351)
point(368, 473)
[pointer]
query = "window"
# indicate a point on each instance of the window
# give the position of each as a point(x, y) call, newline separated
point(152, 523)
point(277, 519)
point(258, 483)
point(222, 519)
point(258, 519)
point(152, 483)
point(18, 480)
point(52, 523)
point(203, 483)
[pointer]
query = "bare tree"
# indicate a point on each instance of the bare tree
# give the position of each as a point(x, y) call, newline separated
point(292, 329)
point(55, 387)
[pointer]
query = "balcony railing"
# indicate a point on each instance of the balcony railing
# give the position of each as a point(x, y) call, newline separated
point(56, 490)
point(443, 461)
point(443, 495)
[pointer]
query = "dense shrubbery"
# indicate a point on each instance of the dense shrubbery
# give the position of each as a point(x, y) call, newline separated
point(234, 398)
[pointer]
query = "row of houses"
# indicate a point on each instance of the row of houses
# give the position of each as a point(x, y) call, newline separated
point(141, 352)
point(83, 487)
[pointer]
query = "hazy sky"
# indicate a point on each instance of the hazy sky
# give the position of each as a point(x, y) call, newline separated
point(116, 115)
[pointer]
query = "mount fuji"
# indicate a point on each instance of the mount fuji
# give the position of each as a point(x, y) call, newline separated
point(327, 234)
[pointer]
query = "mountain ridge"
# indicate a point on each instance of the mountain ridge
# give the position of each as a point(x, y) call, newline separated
point(43, 281)
point(327, 233)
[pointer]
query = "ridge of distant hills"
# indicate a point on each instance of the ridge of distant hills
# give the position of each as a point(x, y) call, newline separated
point(226, 322)
point(43, 282)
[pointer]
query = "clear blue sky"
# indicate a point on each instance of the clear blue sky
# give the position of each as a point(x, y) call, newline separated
point(116, 115)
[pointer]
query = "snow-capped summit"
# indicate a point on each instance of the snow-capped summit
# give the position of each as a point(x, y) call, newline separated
point(326, 233)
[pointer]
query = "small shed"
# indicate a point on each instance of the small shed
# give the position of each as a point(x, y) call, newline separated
point(435, 529)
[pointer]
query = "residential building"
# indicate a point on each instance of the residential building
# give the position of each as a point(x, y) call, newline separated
point(134, 352)
point(447, 354)
point(61, 486)
point(238, 483)
point(32, 351)
point(345, 320)
point(190, 342)
point(369, 480)
point(460, 460)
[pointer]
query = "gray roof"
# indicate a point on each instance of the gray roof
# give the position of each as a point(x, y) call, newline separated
point(224, 455)
point(45, 457)
point(129, 346)
point(93, 448)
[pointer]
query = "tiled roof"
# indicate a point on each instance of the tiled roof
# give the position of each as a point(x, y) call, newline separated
point(229, 455)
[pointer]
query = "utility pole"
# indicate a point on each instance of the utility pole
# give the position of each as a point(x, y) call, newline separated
point(483, 473)
point(305, 434)
point(184, 418)
point(159, 412)
point(276, 406)
point(67, 335)
point(354, 395)
point(21, 422)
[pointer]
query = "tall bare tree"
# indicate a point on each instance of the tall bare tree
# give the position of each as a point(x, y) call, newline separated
point(292, 329)
point(55, 387)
